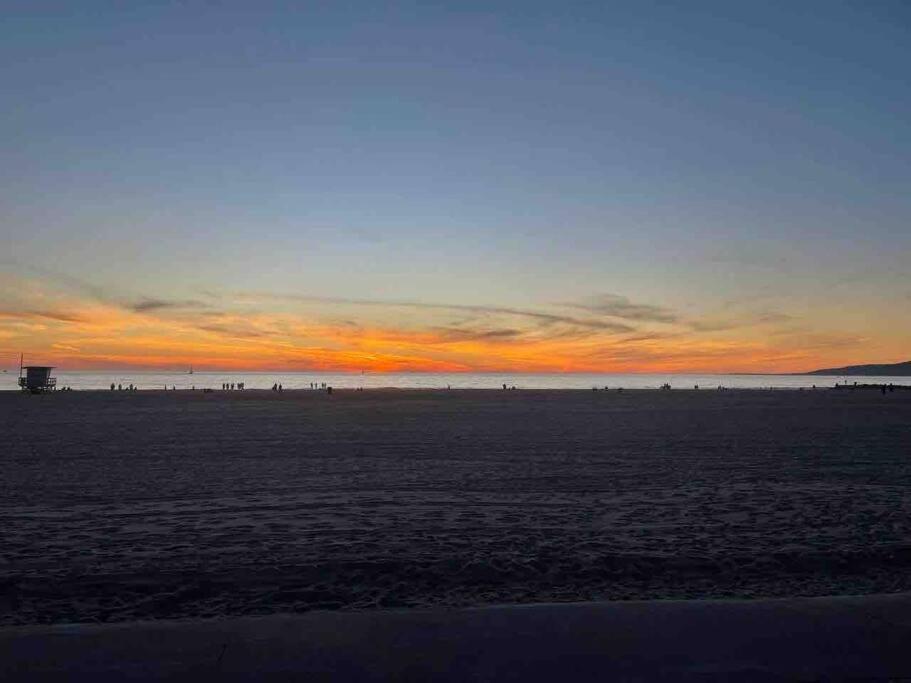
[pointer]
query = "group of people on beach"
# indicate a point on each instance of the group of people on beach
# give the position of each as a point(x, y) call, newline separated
point(225, 386)
point(882, 387)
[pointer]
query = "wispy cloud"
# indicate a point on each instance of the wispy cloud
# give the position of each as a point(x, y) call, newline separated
point(75, 323)
point(147, 305)
point(57, 316)
point(774, 317)
point(616, 306)
point(459, 334)
point(714, 325)
point(232, 331)
point(745, 319)
point(542, 317)
point(72, 284)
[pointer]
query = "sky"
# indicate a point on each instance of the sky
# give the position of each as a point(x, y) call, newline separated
point(455, 186)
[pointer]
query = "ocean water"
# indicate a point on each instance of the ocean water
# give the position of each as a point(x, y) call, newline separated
point(302, 380)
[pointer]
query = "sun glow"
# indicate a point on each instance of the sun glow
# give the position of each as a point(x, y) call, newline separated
point(269, 333)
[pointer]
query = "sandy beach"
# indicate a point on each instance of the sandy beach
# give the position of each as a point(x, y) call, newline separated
point(159, 505)
point(804, 639)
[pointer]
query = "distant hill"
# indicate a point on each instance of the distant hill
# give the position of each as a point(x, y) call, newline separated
point(886, 369)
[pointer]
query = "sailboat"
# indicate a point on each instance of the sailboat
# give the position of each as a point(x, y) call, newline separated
point(190, 371)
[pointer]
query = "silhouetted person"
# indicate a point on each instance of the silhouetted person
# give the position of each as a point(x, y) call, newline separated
point(504, 387)
point(112, 386)
point(119, 387)
point(328, 390)
point(280, 387)
point(884, 389)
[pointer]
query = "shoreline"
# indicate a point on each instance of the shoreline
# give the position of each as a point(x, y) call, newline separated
point(482, 390)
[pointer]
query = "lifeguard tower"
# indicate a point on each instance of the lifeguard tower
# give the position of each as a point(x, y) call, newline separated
point(37, 379)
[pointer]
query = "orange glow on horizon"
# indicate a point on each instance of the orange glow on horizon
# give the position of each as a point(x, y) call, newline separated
point(90, 335)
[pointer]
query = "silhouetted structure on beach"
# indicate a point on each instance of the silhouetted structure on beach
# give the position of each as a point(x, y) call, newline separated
point(37, 379)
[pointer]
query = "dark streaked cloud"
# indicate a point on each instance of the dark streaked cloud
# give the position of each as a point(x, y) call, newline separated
point(147, 305)
point(651, 337)
point(455, 334)
point(68, 281)
point(42, 314)
point(616, 306)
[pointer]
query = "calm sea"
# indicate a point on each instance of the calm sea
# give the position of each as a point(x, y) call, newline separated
point(302, 380)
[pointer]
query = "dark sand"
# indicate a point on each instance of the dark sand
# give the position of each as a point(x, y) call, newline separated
point(808, 639)
point(118, 506)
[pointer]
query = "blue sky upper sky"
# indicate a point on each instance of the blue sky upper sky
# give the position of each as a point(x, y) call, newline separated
point(735, 164)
